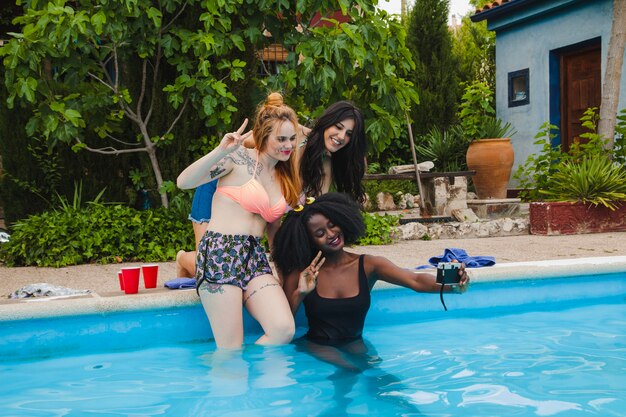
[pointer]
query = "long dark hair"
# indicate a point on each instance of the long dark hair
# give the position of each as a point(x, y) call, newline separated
point(348, 163)
point(293, 250)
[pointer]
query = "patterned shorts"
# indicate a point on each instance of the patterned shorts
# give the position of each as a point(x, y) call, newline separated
point(230, 259)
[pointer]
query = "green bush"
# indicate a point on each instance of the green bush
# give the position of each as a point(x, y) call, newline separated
point(378, 229)
point(597, 181)
point(446, 149)
point(535, 173)
point(117, 233)
point(586, 172)
point(97, 233)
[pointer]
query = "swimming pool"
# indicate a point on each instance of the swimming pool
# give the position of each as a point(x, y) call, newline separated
point(520, 348)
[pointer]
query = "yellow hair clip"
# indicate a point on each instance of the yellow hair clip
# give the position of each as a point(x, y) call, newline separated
point(300, 207)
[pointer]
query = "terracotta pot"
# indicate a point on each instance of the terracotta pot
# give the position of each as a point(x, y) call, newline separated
point(569, 218)
point(492, 159)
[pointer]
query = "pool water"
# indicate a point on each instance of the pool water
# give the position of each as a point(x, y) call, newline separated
point(560, 357)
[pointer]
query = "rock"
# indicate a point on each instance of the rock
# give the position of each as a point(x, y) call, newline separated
point(464, 215)
point(384, 201)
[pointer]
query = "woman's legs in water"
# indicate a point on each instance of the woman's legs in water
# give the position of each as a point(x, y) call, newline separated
point(266, 302)
point(222, 305)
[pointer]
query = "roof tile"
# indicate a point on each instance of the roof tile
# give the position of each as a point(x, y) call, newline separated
point(492, 5)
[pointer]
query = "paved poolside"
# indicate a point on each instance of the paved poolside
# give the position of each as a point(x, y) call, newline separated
point(516, 257)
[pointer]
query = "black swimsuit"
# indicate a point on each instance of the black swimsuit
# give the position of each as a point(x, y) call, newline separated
point(338, 319)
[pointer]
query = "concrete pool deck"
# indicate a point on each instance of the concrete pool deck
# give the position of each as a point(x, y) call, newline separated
point(516, 257)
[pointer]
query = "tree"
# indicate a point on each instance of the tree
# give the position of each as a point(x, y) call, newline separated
point(475, 47)
point(91, 65)
point(613, 73)
point(364, 59)
point(100, 66)
point(435, 76)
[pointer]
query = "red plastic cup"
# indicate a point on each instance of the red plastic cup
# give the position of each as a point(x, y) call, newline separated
point(150, 273)
point(121, 278)
point(131, 279)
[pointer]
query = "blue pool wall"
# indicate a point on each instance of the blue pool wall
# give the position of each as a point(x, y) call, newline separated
point(124, 330)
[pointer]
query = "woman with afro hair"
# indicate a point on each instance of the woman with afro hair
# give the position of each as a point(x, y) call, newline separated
point(334, 285)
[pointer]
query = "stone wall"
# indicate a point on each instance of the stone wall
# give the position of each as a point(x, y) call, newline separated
point(459, 230)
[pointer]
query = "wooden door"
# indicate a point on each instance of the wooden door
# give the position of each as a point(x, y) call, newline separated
point(580, 89)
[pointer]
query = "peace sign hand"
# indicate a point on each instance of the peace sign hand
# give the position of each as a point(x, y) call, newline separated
point(231, 141)
point(308, 277)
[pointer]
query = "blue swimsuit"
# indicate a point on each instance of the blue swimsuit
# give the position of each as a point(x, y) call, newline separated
point(202, 201)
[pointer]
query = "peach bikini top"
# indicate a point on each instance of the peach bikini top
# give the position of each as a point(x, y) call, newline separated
point(252, 197)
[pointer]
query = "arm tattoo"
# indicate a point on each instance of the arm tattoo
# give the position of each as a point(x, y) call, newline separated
point(217, 170)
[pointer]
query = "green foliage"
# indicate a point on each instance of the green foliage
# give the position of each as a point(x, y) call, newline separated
point(48, 163)
point(97, 233)
point(477, 115)
point(594, 180)
point(364, 60)
point(436, 75)
point(619, 146)
point(397, 153)
point(77, 201)
point(493, 128)
point(535, 173)
point(77, 69)
point(475, 47)
point(446, 149)
point(587, 172)
point(378, 229)
point(476, 107)
point(393, 187)
point(115, 233)
point(374, 168)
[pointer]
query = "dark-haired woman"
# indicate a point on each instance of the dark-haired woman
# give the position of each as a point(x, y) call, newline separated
point(333, 156)
point(333, 284)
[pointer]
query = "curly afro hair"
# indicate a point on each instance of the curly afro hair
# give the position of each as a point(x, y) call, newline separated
point(293, 249)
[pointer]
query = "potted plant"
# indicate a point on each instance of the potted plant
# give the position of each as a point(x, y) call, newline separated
point(579, 191)
point(585, 196)
point(490, 152)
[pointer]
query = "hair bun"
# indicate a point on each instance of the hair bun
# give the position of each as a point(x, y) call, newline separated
point(275, 99)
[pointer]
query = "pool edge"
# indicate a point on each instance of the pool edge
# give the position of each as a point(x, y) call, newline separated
point(97, 304)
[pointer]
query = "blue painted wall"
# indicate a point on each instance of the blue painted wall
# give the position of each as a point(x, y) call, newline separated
point(525, 39)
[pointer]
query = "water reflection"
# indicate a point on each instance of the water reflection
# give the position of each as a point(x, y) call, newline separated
point(358, 381)
point(234, 372)
point(228, 373)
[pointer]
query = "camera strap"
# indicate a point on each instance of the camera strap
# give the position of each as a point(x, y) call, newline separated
point(441, 297)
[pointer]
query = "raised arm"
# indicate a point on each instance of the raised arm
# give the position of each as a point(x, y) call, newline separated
point(298, 284)
point(212, 165)
point(387, 271)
